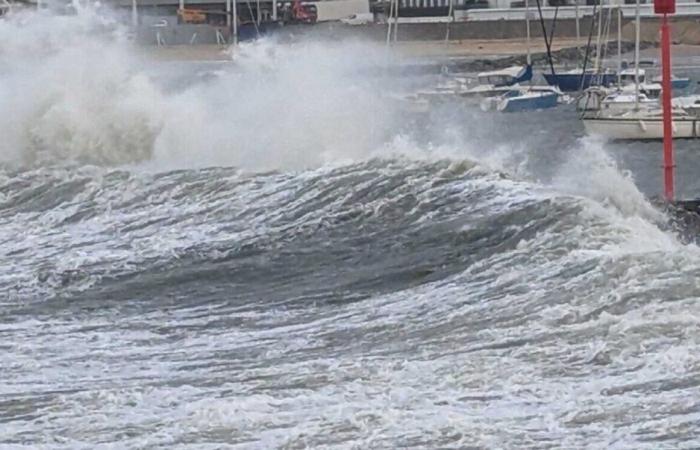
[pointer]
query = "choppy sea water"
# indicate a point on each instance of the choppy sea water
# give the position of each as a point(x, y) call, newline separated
point(175, 275)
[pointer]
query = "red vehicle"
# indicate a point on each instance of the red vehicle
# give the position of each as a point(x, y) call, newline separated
point(299, 12)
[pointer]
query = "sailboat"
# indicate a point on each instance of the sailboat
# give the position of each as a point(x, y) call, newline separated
point(643, 124)
point(524, 98)
point(579, 79)
point(495, 82)
point(575, 80)
point(640, 120)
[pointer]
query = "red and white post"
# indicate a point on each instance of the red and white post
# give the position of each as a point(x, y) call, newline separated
point(665, 7)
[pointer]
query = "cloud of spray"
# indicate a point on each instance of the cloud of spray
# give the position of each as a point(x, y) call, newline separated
point(72, 88)
point(282, 106)
point(68, 91)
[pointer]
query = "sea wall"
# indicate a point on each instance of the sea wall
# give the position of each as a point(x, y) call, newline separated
point(685, 30)
point(498, 29)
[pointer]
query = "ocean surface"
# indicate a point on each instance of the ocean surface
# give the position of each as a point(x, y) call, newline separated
point(273, 253)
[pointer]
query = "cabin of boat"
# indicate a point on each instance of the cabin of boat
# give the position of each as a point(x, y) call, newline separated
point(506, 77)
point(627, 76)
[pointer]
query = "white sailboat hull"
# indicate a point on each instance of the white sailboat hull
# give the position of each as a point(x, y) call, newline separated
point(640, 128)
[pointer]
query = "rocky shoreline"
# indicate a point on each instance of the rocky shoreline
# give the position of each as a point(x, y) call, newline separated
point(568, 56)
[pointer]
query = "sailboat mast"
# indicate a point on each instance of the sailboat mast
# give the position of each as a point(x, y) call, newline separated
point(636, 55)
point(578, 36)
point(619, 46)
point(396, 20)
point(388, 22)
point(134, 14)
point(597, 43)
point(527, 30)
point(450, 19)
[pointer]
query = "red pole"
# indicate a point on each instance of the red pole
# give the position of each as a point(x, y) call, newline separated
point(666, 104)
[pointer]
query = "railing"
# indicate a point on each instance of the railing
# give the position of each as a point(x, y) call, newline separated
point(569, 12)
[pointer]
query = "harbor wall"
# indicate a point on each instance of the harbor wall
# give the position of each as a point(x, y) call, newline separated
point(498, 29)
point(685, 30)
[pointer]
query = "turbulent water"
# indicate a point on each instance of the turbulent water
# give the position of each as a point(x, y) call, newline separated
point(272, 253)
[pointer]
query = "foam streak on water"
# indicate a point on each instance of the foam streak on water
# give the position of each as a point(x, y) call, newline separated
point(173, 277)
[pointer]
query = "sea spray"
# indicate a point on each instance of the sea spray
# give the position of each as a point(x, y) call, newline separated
point(75, 89)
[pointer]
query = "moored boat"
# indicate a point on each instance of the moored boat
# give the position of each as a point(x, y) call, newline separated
point(677, 83)
point(575, 80)
point(525, 99)
point(642, 125)
point(528, 101)
point(499, 82)
point(487, 84)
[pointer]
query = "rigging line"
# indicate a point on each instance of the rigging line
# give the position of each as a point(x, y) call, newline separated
point(585, 58)
point(546, 40)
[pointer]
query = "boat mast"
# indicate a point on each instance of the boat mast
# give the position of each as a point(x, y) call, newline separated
point(619, 47)
point(134, 14)
point(396, 20)
point(636, 55)
point(547, 42)
point(527, 30)
point(578, 37)
point(598, 43)
point(393, 14)
point(450, 19)
point(388, 22)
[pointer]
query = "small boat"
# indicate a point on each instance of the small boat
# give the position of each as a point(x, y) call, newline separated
point(678, 83)
point(499, 82)
point(524, 99)
point(491, 83)
point(506, 77)
point(574, 80)
point(642, 124)
point(528, 101)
